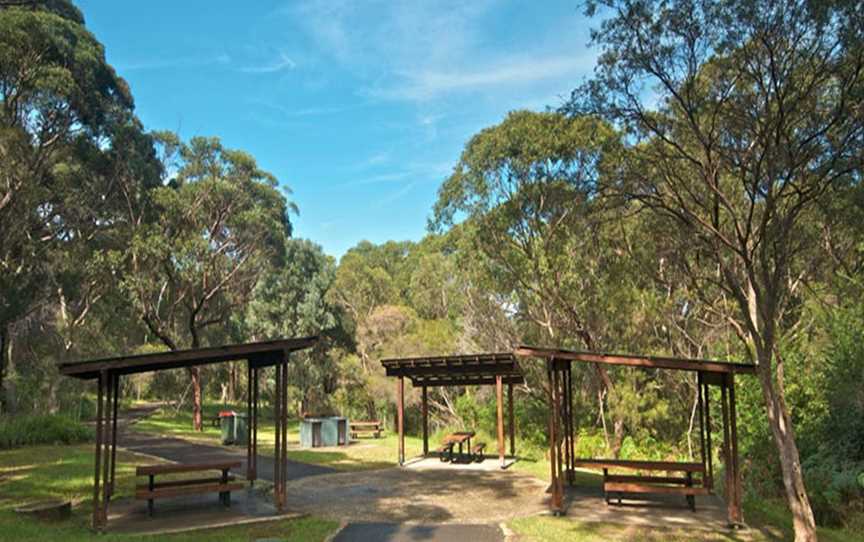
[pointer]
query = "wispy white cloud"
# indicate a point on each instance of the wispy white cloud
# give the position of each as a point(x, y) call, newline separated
point(175, 62)
point(510, 72)
point(420, 52)
point(308, 111)
point(280, 63)
point(376, 159)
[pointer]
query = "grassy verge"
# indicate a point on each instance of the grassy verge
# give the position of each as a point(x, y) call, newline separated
point(66, 472)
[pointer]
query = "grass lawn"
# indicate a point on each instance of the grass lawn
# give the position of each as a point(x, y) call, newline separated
point(66, 472)
point(365, 454)
point(769, 522)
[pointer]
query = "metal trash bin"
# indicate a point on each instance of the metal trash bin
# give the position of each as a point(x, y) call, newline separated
point(323, 432)
point(234, 427)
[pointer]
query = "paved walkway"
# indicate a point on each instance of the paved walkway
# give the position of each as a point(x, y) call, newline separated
point(184, 451)
point(180, 450)
point(361, 532)
point(446, 495)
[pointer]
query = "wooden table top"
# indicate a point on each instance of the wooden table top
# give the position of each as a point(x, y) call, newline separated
point(459, 436)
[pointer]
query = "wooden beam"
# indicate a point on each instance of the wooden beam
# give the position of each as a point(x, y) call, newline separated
point(654, 362)
point(400, 414)
point(432, 382)
point(249, 422)
point(116, 393)
point(738, 516)
point(662, 466)
point(255, 402)
point(499, 402)
point(511, 419)
point(425, 412)
point(727, 458)
point(706, 395)
point(623, 487)
point(700, 407)
point(277, 399)
point(260, 353)
point(484, 369)
point(106, 450)
point(284, 468)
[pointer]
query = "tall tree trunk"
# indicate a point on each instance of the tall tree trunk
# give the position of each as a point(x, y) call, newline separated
point(790, 461)
point(195, 373)
point(232, 382)
point(4, 331)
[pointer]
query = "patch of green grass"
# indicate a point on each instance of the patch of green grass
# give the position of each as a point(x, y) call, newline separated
point(552, 528)
point(773, 515)
point(66, 472)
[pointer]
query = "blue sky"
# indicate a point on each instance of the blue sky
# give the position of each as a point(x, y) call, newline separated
point(361, 108)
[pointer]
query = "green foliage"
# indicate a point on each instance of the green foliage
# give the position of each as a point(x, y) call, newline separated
point(30, 430)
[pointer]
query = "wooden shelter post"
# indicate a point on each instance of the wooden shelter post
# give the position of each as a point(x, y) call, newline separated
point(708, 451)
point(400, 417)
point(284, 469)
point(277, 453)
point(736, 516)
point(106, 447)
point(249, 422)
point(554, 440)
point(572, 425)
point(511, 419)
point(733, 513)
point(701, 408)
point(499, 401)
point(100, 384)
point(116, 394)
point(425, 409)
point(255, 402)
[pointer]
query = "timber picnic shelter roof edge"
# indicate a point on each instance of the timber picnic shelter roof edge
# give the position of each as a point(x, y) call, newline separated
point(644, 361)
point(259, 354)
point(458, 370)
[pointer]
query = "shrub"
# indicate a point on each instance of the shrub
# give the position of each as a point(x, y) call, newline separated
point(42, 429)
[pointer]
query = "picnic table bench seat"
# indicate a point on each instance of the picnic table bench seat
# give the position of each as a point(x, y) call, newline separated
point(619, 484)
point(223, 484)
point(445, 451)
point(365, 428)
point(477, 451)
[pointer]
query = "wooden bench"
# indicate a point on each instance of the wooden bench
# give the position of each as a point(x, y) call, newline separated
point(223, 484)
point(370, 428)
point(620, 484)
point(477, 451)
point(445, 451)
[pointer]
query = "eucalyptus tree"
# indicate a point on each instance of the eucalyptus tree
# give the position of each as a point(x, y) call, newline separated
point(527, 188)
point(365, 280)
point(59, 102)
point(219, 223)
point(294, 300)
point(742, 118)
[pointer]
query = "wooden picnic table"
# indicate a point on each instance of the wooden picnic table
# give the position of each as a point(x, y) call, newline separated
point(223, 484)
point(460, 438)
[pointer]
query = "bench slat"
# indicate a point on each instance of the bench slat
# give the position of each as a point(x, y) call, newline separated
point(181, 483)
point(643, 465)
point(622, 487)
point(145, 493)
point(650, 479)
point(146, 470)
point(364, 424)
